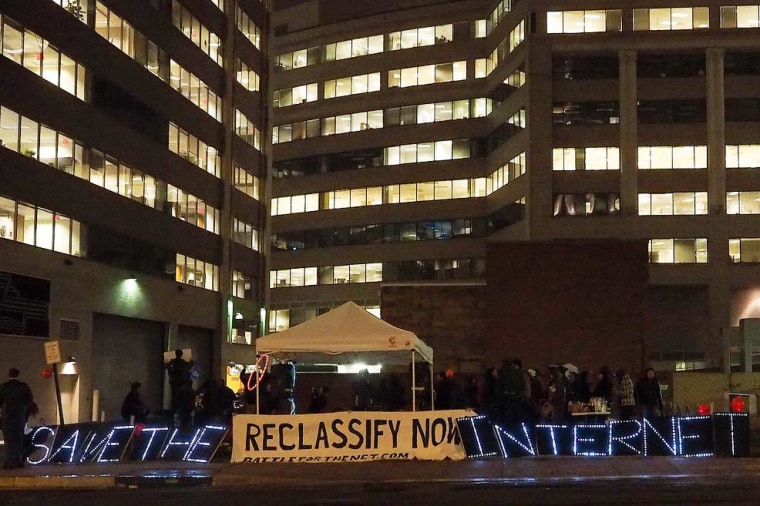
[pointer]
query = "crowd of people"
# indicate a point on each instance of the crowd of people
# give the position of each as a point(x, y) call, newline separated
point(512, 394)
point(508, 394)
point(212, 401)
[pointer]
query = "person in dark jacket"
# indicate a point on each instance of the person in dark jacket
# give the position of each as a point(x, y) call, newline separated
point(584, 386)
point(318, 400)
point(181, 383)
point(133, 405)
point(605, 387)
point(556, 395)
point(205, 402)
point(649, 395)
point(225, 400)
point(15, 399)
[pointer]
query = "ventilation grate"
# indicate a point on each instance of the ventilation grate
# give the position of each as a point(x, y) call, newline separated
point(68, 329)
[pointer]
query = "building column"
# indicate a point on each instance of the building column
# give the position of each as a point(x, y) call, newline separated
point(716, 133)
point(717, 240)
point(540, 189)
point(629, 188)
point(719, 301)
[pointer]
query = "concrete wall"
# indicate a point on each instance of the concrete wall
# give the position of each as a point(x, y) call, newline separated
point(81, 289)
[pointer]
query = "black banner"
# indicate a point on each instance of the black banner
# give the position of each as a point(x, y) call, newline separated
point(722, 434)
point(113, 442)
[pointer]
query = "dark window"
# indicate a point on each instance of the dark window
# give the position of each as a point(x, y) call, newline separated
point(586, 113)
point(409, 115)
point(374, 234)
point(326, 238)
point(313, 55)
point(24, 305)
point(741, 64)
point(312, 128)
point(378, 234)
point(672, 111)
point(358, 235)
point(342, 236)
point(742, 109)
point(670, 65)
point(585, 67)
point(426, 230)
point(392, 117)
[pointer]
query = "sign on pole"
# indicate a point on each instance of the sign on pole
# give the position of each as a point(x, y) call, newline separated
point(53, 357)
point(53, 352)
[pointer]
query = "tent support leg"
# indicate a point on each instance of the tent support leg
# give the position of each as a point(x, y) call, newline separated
point(432, 390)
point(414, 385)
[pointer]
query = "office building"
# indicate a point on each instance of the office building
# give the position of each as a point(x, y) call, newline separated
point(193, 173)
point(411, 137)
point(132, 183)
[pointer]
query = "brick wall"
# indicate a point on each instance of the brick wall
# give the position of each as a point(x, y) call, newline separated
point(553, 302)
point(450, 319)
point(557, 302)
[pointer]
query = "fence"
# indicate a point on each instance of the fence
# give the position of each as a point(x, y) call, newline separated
point(690, 389)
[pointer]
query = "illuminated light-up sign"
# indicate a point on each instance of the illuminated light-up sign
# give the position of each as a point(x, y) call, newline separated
point(113, 442)
point(479, 432)
point(736, 436)
point(196, 445)
point(724, 434)
point(260, 376)
point(90, 442)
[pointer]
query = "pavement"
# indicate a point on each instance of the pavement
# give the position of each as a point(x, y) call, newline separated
point(522, 470)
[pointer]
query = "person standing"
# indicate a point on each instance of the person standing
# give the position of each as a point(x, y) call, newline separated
point(133, 409)
point(15, 399)
point(206, 402)
point(487, 388)
point(269, 402)
point(604, 388)
point(649, 394)
point(225, 400)
point(318, 401)
point(181, 385)
point(626, 400)
point(363, 394)
point(556, 396)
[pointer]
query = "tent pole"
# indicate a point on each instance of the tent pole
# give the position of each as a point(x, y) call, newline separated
point(257, 388)
point(432, 390)
point(414, 385)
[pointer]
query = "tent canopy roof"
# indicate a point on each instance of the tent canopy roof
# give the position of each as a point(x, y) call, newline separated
point(345, 335)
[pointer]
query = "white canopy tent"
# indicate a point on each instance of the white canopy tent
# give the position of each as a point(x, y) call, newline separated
point(348, 334)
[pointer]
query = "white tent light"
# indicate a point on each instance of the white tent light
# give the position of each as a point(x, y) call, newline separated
point(358, 366)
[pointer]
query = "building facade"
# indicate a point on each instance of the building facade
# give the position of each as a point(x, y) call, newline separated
point(193, 173)
point(133, 177)
point(409, 136)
